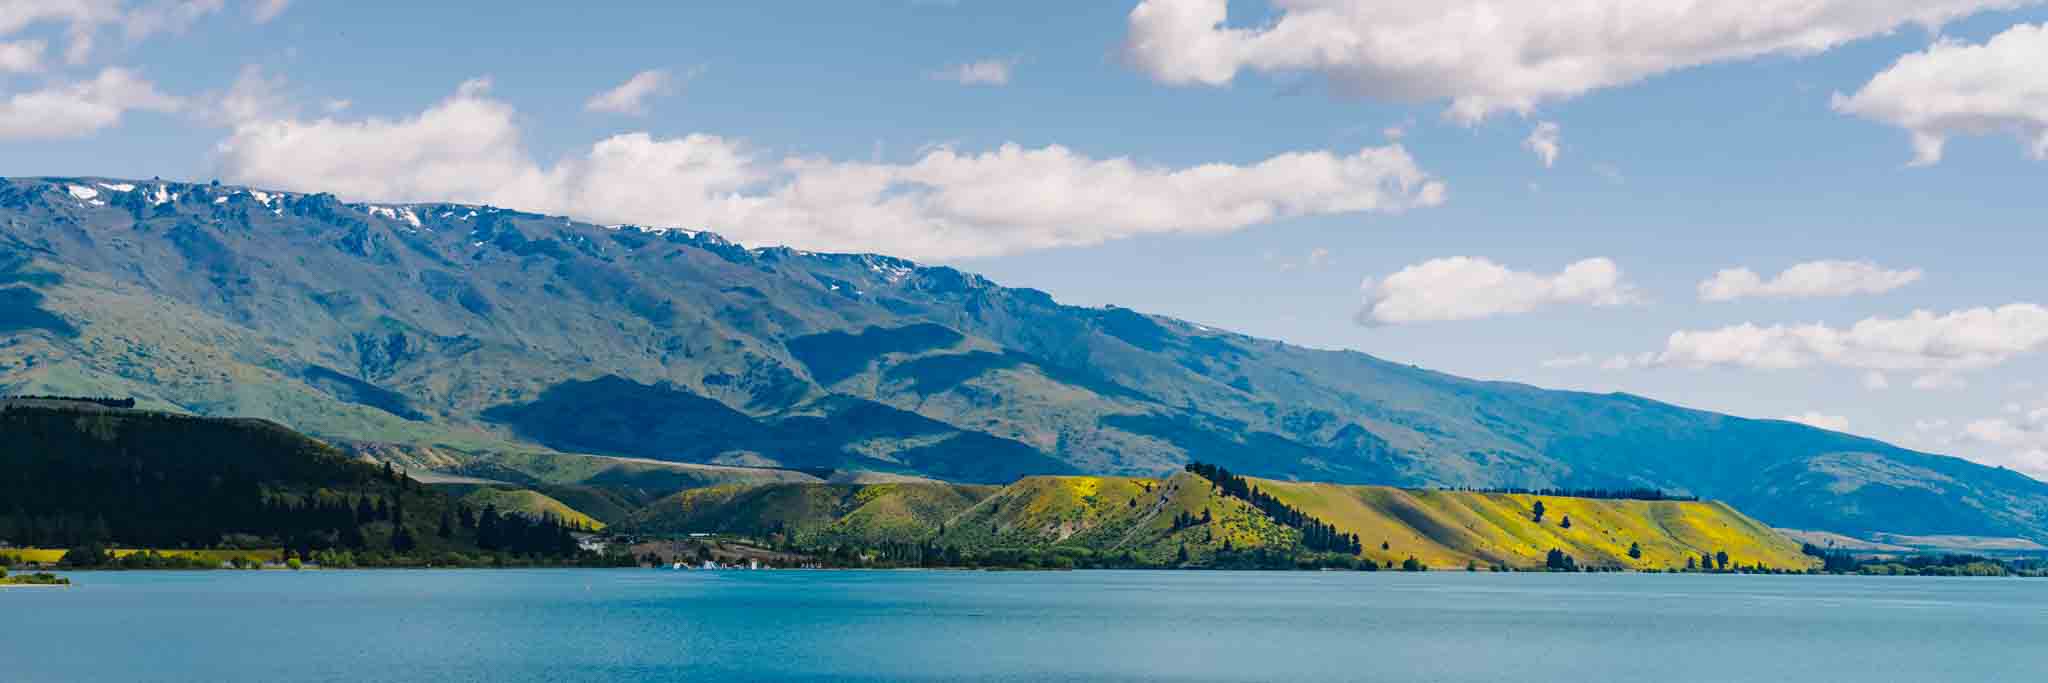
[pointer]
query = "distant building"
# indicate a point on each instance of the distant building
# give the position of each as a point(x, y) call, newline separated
point(591, 542)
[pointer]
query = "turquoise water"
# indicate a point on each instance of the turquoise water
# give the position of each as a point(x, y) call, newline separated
point(1068, 626)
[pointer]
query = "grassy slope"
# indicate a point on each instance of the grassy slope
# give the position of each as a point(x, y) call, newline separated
point(1449, 528)
point(530, 503)
point(1115, 515)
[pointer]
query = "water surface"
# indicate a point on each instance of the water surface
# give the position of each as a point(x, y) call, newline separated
point(1054, 626)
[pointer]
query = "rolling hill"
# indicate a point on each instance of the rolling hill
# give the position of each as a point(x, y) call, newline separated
point(505, 345)
point(1134, 517)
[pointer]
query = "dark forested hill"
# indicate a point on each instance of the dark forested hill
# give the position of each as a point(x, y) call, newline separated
point(77, 474)
point(477, 339)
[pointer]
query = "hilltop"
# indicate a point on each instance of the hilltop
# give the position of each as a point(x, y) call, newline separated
point(502, 345)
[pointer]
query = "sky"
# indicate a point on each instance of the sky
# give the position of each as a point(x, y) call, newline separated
point(1822, 210)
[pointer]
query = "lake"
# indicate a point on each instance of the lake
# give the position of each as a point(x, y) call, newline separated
point(562, 625)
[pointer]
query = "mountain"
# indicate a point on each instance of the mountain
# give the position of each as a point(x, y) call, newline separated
point(1134, 518)
point(490, 342)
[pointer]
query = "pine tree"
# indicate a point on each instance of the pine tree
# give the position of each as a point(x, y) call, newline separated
point(447, 525)
point(1182, 557)
point(1567, 523)
point(1537, 512)
point(1721, 560)
point(1635, 551)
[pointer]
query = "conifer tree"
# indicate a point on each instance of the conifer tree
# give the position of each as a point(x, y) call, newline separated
point(1536, 512)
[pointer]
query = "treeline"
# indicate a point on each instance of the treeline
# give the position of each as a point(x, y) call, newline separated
point(1836, 561)
point(1601, 494)
point(1316, 535)
point(104, 401)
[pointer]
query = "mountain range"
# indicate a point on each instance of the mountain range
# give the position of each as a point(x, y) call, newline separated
point(504, 345)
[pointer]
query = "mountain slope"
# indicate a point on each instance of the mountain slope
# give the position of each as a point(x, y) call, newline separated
point(475, 338)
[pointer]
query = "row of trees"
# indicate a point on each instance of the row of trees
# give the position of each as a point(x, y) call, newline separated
point(1316, 535)
point(104, 401)
point(1603, 494)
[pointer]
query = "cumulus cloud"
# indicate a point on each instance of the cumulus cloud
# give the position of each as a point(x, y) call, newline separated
point(630, 97)
point(166, 16)
point(72, 110)
point(984, 72)
point(1466, 288)
point(1922, 341)
point(1487, 56)
point(1807, 280)
point(82, 19)
point(947, 203)
point(2017, 439)
point(1544, 141)
point(1954, 88)
point(1833, 423)
point(22, 56)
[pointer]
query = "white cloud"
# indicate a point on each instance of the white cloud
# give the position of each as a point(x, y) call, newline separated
point(1544, 141)
point(80, 108)
point(1833, 423)
point(984, 72)
point(18, 14)
point(262, 11)
point(82, 19)
point(1961, 340)
point(166, 16)
point(1465, 288)
point(2017, 440)
point(631, 96)
point(1954, 88)
point(1807, 280)
point(1876, 381)
point(1487, 56)
point(22, 56)
point(944, 204)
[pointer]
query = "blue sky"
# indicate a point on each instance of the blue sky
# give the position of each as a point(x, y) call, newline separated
point(1728, 150)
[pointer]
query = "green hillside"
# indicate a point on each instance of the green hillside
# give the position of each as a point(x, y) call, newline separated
point(533, 504)
point(1141, 521)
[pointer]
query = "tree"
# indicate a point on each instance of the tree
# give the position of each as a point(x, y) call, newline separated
point(1182, 558)
point(1635, 551)
point(402, 540)
point(1386, 546)
point(1558, 561)
point(1721, 560)
point(447, 525)
point(1691, 563)
point(1706, 561)
point(1567, 523)
point(1205, 515)
point(1536, 512)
